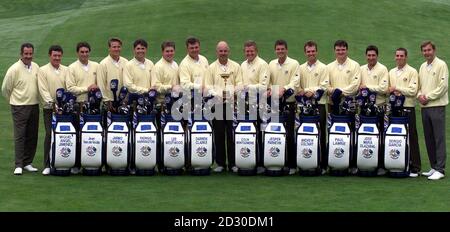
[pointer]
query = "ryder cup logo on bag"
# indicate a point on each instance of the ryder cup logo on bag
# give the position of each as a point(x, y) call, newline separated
point(367, 153)
point(145, 150)
point(201, 151)
point(274, 151)
point(245, 152)
point(307, 153)
point(394, 154)
point(117, 151)
point(90, 150)
point(65, 152)
point(338, 152)
point(174, 151)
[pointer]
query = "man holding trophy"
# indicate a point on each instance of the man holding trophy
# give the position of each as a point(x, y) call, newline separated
point(225, 76)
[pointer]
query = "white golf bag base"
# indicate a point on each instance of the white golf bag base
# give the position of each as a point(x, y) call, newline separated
point(245, 141)
point(201, 148)
point(63, 147)
point(173, 147)
point(274, 147)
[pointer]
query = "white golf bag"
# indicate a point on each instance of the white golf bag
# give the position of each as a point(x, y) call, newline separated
point(367, 145)
point(340, 144)
point(173, 138)
point(245, 141)
point(92, 144)
point(63, 145)
point(145, 145)
point(118, 145)
point(396, 150)
point(308, 145)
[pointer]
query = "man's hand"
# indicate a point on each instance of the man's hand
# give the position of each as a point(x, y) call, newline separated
point(362, 86)
point(391, 89)
point(176, 88)
point(92, 87)
point(330, 91)
point(301, 93)
point(423, 100)
point(309, 94)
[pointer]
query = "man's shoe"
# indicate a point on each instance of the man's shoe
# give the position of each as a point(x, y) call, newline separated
point(413, 174)
point(436, 176)
point(381, 172)
point(260, 170)
point(234, 169)
point(18, 171)
point(74, 170)
point(323, 171)
point(218, 169)
point(46, 171)
point(30, 168)
point(429, 173)
point(292, 171)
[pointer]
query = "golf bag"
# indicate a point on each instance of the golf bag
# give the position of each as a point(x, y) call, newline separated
point(145, 134)
point(308, 134)
point(118, 134)
point(396, 150)
point(91, 135)
point(340, 134)
point(64, 135)
point(173, 138)
point(274, 134)
point(368, 133)
point(245, 135)
point(200, 135)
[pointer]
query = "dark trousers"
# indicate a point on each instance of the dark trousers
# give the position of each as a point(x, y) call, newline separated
point(47, 114)
point(290, 137)
point(433, 120)
point(415, 163)
point(26, 126)
point(323, 136)
point(223, 134)
point(76, 124)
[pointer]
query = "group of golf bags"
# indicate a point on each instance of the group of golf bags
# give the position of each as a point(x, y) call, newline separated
point(133, 134)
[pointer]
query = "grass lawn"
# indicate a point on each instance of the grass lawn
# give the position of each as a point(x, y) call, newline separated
point(387, 24)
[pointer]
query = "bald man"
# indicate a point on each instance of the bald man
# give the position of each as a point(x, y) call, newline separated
point(225, 75)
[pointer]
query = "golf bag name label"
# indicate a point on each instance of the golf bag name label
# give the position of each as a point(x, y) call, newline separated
point(118, 139)
point(65, 140)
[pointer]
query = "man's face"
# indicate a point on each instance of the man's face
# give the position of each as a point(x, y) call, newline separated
point(400, 58)
point(428, 52)
point(340, 52)
point(372, 57)
point(222, 52)
point(250, 53)
point(311, 53)
point(115, 48)
point(27, 55)
point(140, 52)
point(83, 54)
point(168, 53)
point(281, 51)
point(193, 50)
point(55, 58)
